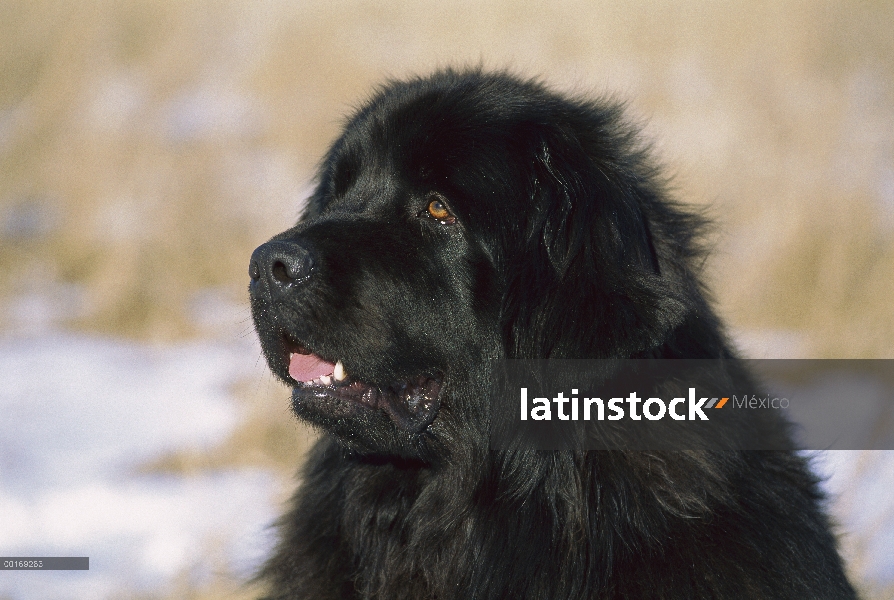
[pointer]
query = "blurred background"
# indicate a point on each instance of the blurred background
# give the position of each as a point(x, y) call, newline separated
point(147, 147)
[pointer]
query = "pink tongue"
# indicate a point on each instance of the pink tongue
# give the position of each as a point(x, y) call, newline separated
point(305, 367)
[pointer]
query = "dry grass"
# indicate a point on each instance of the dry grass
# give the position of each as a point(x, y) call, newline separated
point(146, 147)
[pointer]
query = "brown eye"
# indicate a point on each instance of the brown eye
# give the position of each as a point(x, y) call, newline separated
point(438, 210)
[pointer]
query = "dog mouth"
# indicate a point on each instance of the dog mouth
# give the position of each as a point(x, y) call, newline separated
point(411, 403)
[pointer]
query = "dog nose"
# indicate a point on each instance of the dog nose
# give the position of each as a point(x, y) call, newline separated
point(282, 263)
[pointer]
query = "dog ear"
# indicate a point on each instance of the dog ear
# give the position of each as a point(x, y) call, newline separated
point(589, 282)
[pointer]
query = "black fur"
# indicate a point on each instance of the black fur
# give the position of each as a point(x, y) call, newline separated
point(561, 242)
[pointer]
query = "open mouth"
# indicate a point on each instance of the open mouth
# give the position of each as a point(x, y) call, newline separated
point(412, 403)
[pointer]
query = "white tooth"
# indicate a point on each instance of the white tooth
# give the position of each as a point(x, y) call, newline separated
point(325, 380)
point(339, 372)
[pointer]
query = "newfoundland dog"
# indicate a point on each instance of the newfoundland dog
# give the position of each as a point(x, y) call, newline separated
point(469, 217)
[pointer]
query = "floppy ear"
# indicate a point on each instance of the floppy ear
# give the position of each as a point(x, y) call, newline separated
point(588, 283)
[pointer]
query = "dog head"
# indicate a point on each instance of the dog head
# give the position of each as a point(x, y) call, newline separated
point(461, 218)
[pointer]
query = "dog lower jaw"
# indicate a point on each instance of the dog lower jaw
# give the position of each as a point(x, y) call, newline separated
point(411, 404)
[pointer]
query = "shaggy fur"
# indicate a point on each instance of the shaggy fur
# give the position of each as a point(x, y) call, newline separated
point(466, 217)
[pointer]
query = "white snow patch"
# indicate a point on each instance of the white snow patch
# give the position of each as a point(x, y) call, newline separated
point(859, 484)
point(79, 414)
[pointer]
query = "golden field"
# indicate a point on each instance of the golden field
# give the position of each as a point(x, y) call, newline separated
point(147, 147)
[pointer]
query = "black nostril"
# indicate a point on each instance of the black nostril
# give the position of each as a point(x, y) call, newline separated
point(280, 272)
point(292, 268)
point(283, 263)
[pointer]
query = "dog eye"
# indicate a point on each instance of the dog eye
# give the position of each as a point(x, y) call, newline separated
point(437, 209)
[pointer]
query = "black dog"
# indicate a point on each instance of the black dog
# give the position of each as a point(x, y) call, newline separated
point(468, 217)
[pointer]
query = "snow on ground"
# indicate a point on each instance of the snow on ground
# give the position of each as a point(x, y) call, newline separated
point(79, 414)
point(860, 486)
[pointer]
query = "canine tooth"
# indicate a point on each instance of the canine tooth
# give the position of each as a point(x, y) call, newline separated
point(325, 380)
point(339, 372)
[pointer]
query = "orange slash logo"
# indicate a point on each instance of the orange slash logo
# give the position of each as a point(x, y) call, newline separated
point(718, 404)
